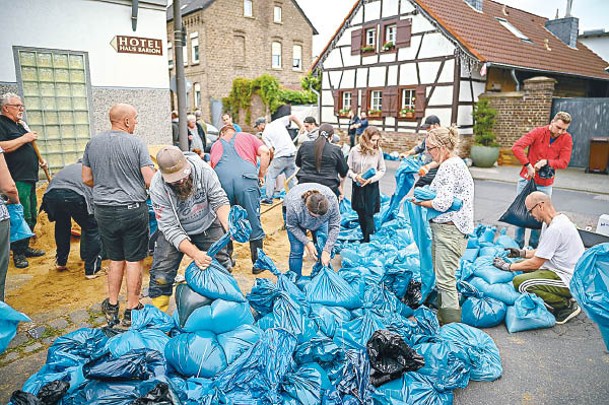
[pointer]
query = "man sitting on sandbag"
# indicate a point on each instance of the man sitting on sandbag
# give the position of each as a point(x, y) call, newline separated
point(192, 213)
point(549, 268)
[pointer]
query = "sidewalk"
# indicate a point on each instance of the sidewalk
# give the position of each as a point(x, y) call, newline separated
point(569, 179)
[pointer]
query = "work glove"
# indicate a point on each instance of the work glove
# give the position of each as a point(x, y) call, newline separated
point(513, 252)
point(501, 264)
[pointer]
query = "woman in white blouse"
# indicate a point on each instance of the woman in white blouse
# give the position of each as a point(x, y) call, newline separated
point(365, 194)
point(451, 229)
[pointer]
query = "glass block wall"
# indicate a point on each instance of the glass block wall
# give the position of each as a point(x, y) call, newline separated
point(55, 91)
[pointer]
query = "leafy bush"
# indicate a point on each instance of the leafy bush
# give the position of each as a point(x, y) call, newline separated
point(484, 121)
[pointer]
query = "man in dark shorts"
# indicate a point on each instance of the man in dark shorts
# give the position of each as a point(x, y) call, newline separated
point(118, 167)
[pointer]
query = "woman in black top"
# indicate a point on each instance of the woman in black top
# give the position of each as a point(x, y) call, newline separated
point(321, 162)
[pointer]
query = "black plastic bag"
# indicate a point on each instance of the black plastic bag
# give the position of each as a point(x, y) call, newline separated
point(546, 172)
point(24, 398)
point(413, 294)
point(390, 356)
point(52, 392)
point(138, 364)
point(159, 395)
point(517, 214)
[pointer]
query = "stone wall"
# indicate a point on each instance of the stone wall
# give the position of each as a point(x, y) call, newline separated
point(519, 112)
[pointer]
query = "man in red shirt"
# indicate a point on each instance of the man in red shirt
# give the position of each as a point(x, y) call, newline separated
point(549, 148)
point(234, 158)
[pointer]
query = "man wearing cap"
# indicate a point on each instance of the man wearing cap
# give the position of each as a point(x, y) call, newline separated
point(276, 136)
point(311, 130)
point(191, 210)
point(118, 167)
point(547, 148)
point(234, 158)
point(429, 169)
point(321, 162)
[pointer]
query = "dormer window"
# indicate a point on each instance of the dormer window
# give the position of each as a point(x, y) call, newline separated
point(517, 33)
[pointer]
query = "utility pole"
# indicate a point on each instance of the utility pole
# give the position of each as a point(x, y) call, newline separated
point(179, 39)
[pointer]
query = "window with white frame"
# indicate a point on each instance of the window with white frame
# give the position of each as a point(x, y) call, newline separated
point(376, 101)
point(408, 97)
point(347, 101)
point(390, 31)
point(371, 37)
point(194, 47)
point(297, 57)
point(170, 54)
point(515, 31)
point(277, 14)
point(276, 55)
point(248, 8)
point(197, 87)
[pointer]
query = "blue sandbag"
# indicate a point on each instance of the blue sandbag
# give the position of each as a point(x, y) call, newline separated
point(328, 288)
point(153, 318)
point(9, 319)
point(529, 312)
point(237, 341)
point(360, 329)
point(487, 233)
point(291, 316)
point(404, 180)
point(473, 242)
point(76, 348)
point(412, 388)
point(471, 254)
point(590, 286)
point(305, 385)
point(139, 364)
point(484, 268)
point(285, 281)
point(266, 322)
point(427, 323)
point(195, 354)
point(506, 242)
point(446, 363)
point(123, 343)
point(19, 228)
point(239, 229)
point(329, 318)
point(479, 310)
point(422, 237)
point(263, 295)
point(213, 282)
point(503, 292)
point(481, 349)
point(425, 193)
point(47, 374)
point(319, 349)
point(259, 372)
point(219, 317)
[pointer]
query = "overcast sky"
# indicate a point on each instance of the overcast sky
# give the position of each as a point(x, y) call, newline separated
point(327, 15)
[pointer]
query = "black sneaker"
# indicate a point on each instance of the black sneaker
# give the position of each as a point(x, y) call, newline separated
point(267, 201)
point(566, 314)
point(20, 261)
point(110, 311)
point(127, 316)
point(256, 270)
point(29, 252)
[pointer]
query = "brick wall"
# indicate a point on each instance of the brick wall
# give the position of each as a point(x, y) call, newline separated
point(232, 46)
point(519, 112)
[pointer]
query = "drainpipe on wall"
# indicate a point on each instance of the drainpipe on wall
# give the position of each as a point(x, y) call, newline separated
point(513, 72)
point(179, 40)
point(134, 6)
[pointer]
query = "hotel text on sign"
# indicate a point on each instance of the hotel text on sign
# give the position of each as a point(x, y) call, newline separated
point(144, 46)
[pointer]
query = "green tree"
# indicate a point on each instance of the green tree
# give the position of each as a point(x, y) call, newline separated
point(484, 121)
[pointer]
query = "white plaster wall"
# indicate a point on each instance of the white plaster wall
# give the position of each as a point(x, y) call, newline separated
point(358, 17)
point(327, 114)
point(335, 77)
point(327, 96)
point(428, 71)
point(448, 72)
point(325, 80)
point(409, 53)
point(392, 79)
point(333, 60)
point(465, 115)
point(390, 8)
point(377, 76)
point(373, 10)
point(598, 45)
point(442, 95)
point(348, 81)
point(408, 74)
point(435, 45)
point(406, 6)
point(420, 23)
point(442, 113)
point(362, 80)
point(86, 26)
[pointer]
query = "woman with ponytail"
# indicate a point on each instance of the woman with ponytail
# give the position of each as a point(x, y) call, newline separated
point(451, 229)
point(310, 207)
point(367, 156)
point(321, 162)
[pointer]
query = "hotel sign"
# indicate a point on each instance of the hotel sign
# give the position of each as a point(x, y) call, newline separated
point(143, 46)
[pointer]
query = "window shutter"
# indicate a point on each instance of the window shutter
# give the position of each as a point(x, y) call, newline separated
point(354, 101)
point(337, 101)
point(356, 41)
point(404, 28)
point(364, 106)
point(390, 103)
point(420, 102)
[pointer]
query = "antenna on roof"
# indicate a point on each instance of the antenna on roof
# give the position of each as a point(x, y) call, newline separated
point(556, 17)
point(569, 5)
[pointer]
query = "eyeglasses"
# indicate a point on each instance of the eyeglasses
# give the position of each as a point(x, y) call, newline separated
point(429, 149)
point(534, 206)
point(19, 106)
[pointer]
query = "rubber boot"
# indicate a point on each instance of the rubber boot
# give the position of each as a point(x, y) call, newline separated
point(161, 302)
point(254, 246)
point(447, 315)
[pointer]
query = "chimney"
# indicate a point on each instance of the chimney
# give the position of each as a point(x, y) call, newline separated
point(475, 4)
point(566, 29)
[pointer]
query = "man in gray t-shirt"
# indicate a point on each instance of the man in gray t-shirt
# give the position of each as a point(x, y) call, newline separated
point(118, 167)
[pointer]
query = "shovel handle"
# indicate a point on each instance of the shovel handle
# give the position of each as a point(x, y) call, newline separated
point(40, 159)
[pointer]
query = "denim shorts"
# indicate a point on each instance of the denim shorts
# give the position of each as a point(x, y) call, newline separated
point(124, 231)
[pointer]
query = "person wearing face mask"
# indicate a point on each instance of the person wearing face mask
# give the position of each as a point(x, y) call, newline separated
point(549, 148)
point(549, 268)
point(191, 210)
point(365, 193)
point(450, 229)
point(118, 167)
